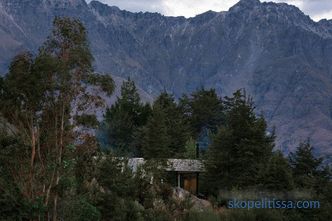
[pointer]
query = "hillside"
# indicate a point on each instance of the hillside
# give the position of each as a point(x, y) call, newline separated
point(274, 51)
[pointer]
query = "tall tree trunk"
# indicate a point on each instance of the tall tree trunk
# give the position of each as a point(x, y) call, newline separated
point(33, 155)
point(48, 192)
point(61, 138)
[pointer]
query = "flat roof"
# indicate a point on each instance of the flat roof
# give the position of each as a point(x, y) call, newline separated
point(176, 165)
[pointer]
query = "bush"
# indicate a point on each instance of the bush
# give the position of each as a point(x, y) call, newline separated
point(80, 210)
point(252, 215)
point(205, 215)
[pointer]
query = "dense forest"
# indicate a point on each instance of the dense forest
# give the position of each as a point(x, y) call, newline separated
point(58, 162)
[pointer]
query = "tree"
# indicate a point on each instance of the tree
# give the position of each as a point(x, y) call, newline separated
point(241, 148)
point(41, 97)
point(133, 196)
point(1, 85)
point(308, 170)
point(155, 137)
point(117, 180)
point(13, 204)
point(124, 118)
point(204, 110)
point(277, 176)
point(191, 149)
point(167, 130)
point(22, 98)
point(67, 47)
point(310, 175)
point(177, 125)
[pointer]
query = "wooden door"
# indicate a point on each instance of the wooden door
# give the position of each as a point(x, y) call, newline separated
point(190, 183)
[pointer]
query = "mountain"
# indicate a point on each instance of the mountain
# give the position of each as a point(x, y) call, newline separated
point(274, 51)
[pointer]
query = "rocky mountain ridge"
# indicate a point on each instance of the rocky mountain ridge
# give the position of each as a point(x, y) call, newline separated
point(274, 51)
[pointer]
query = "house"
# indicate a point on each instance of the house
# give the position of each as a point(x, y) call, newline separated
point(183, 173)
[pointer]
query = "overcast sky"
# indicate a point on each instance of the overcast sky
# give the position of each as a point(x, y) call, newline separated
point(317, 9)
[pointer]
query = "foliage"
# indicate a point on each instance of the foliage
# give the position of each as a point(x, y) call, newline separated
point(40, 97)
point(51, 167)
point(12, 203)
point(307, 169)
point(240, 149)
point(204, 110)
point(105, 82)
point(155, 138)
point(194, 215)
point(80, 209)
point(191, 149)
point(124, 118)
point(277, 176)
point(166, 132)
point(138, 197)
point(252, 215)
point(87, 120)
point(312, 176)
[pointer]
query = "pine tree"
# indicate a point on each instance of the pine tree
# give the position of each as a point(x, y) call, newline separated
point(311, 176)
point(308, 170)
point(177, 125)
point(241, 148)
point(277, 176)
point(204, 110)
point(169, 124)
point(155, 137)
point(124, 118)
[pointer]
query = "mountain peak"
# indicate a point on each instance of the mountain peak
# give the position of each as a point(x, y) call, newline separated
point(255, 2)
point(249, 4)
point(58, 3)
point(98, 4)
point(66, 2)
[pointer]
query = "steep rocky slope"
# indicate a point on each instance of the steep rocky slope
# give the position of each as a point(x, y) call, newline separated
point(274, 51)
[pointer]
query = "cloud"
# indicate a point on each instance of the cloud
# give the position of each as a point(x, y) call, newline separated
point(317, 9)
point(137, 5)
point(190, 8)
point(187, 8)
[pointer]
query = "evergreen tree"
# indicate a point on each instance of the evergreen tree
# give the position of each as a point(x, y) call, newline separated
point(124, 118)
point(277, 176)
point(177, 125)
point(133, 196)
point(155, 138)
point(308, 170)
point(241, 148)
point(191, 149)
point(312, 177)
point(204, 110)
point(117, 200)
point(167, 131)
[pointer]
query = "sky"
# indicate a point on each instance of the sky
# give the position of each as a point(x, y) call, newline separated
point(316, 9)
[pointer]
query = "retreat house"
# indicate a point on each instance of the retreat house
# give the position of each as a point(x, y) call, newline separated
point(183, 173)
